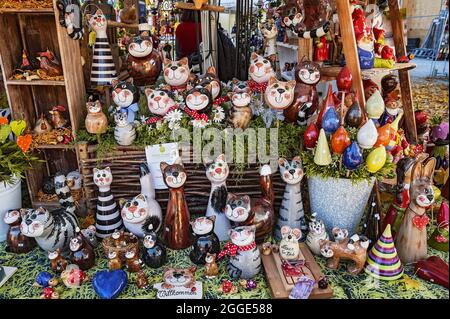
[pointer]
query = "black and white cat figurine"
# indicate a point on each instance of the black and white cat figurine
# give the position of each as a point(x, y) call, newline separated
point(154, 254)
point(206, 241)
point(124, 132)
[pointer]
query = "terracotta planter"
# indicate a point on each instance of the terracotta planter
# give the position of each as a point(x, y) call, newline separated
point(339, 202)
point(10, 198)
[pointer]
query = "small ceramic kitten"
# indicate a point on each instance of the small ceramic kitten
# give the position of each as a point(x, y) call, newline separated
point(270, 32)
point(205, 241)
point(199, 98)
point(246, 264)
point(159, 101)
point(241, 113)
point(279, 95)
point(210, 77)
point(317, 232)
point(124, 132)
point(126, 96)
point(96, 121)
point(177, 73)
point(260, 69)
point(154, 254)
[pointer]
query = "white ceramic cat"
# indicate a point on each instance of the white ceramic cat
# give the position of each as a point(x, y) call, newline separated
point(124, 132)
point(246, 264)
point(217, 173)
point(176, 73)
point(159, 101)
point(317, 232)
point(279, 95)
point(260, 69)
point(137, 211)
point(270, 32)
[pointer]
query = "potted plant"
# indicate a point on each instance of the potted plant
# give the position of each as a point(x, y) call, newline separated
point(342, 158)
point(14, 161)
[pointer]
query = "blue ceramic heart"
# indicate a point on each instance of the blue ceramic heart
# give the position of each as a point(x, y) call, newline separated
point(109, 284)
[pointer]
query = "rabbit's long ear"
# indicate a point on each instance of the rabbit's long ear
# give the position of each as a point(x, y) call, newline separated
point(416, 172)
point(428, 168)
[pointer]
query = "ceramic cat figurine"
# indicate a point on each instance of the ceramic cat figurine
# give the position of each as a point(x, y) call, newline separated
point(279, 95)
point(154, 254)
point(124, 132)
point(52, 230)
point(81, 251)
point(317, 232)
point(159, 101)
point(259, 212)
point(241, 113)
point(306, 98)
point(260, 69)
point(16, 242)
point(126, 97)
point(210, 77)
point(411, 239)
point(96, 121)
point(206, 241)
point(217, 173)
point(176, 233)
point(245, 263)
point(57, 262)
point(108, 216)
point(177, 74)
point(199, 98)
point(270, 32)
point(291, 210)
point(143, 206)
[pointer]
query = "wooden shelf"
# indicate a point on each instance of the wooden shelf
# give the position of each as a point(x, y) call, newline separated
point(28, 10)
point(35, 82)
point(55, 147)
point(333, 71)
point(48, 205)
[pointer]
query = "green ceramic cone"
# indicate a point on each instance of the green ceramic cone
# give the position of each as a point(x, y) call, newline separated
point(322, 155)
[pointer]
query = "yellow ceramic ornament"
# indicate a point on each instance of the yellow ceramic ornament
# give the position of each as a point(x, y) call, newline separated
point(375, 105)
point(322, 155)
point(394, 129)
point(437, 193)
point(376, 159)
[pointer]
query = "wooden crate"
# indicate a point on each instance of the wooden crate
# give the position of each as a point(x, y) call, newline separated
point(35, 31)
point(124, 163)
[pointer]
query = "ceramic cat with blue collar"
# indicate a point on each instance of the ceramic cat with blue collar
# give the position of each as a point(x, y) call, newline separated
point(126, 97)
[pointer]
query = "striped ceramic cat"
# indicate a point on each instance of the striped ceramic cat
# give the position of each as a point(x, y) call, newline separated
point(124, 132)
point(52, 230)
point(246, 264)
point(108, 216)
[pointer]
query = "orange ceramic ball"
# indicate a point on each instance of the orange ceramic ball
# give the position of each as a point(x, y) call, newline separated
point(340, 140)
point(384, 135)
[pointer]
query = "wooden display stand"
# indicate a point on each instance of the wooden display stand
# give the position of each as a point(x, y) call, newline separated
point(350, 51)
point(35, 31)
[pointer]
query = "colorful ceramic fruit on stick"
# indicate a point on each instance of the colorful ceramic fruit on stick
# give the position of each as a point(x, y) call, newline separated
point(340, 140)
point(317, 232)
point(103, 69)
point(375, 106)
point(353, 249)
point(108, 216)
point(210, 77)
point(242, 211)
point(329, 103)
point(211, 268)
point(71, 18)
point(289, 248)
point(154, 254)
point(124, 132)
point(376, 159)
point(144, 63)
point(52, 230)
point(354, 115)
point(411, 240)
point(306, 98)
point(42, 125)
point(330, 121)
point(205, 241)
point(367, 135)
point(310, 136)
point(217, 172)
point(269, 31)
point(109, 284)
point(126, 97)
point(352, 156)
point(439, 238)
point(81, 251)
point(433, 269)
point(384, 135)
point(260, 71)
point(322, 155)
point(245, 259)
point(279, 95)
point(176, 232)
point(177, 74)
point(382, 261)
point(137, 211)
point(240, 113)
point(96, 121)
point(291, 212)
point(57, 262)
point(16, 241)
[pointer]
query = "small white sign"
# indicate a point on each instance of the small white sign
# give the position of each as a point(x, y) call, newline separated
point(180, 292)
point(9, 271)
point(156, 154)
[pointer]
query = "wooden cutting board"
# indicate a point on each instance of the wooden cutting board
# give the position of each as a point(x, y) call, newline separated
point(281, 286)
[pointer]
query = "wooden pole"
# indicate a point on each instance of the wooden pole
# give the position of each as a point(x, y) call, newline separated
point(305, 49)
point(350, 48)
point(405, 81)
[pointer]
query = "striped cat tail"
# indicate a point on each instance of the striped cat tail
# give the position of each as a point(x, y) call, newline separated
point(316, 33)
point(64, 195)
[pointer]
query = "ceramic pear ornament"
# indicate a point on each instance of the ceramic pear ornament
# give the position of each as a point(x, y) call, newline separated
point(344, 80)
point(384, 135)
point(352, 156)
point(354, 115)
point(375, 106)
point(311, 136)
point(322, 155)
point(367, 135)
point(376, 159)
point(330, 121)
point(340, 140)
point(329, 103)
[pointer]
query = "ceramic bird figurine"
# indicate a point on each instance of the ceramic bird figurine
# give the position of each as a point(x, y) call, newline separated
point(49, 63)
point(57, 117)
point(42, 125)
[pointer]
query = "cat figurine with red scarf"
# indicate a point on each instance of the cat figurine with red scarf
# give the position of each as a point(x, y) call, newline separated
point(260, 71)
point(177, 74)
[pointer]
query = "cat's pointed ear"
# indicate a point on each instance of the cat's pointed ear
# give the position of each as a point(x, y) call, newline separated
point(95, 170)
point(345, 231)
point(246, 199)
point(291, 84)
point(193, 269)
point(230, 196)
point(281, 161)
point(297, 159)
point(212, 218)
point(178, 161)
point(108, 169)
point(163, 166)
point(211, 70)
point(230, 95)
point(254, 56)
point(166, 62)
point(192, 223)
point(148, 91)
point(141, 197)
point(184, 61)
point(234, 81)
point(208, 87)
point(272, 80)
point(428, 168)
point(114, 82)
point(221, 157)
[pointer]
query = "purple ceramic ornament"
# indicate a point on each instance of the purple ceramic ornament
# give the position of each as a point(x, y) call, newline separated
point(251, 284)
point(353, 156)
point(330, 121)
point(440, 132)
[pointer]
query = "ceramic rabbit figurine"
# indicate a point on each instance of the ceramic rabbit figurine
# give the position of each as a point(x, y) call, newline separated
point(217, 173)
point(411, 239)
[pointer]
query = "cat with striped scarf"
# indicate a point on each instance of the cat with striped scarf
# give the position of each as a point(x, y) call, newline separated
point(53, 230)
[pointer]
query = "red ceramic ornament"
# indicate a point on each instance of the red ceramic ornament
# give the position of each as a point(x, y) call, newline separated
point(443, 215)
point(328, 104)
point(433, 269)
point(344, 80)
point(311, 136)
point(340, 140)
point(384, 135)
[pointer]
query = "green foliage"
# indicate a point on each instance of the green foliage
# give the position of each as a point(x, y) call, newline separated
point(14, 162)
